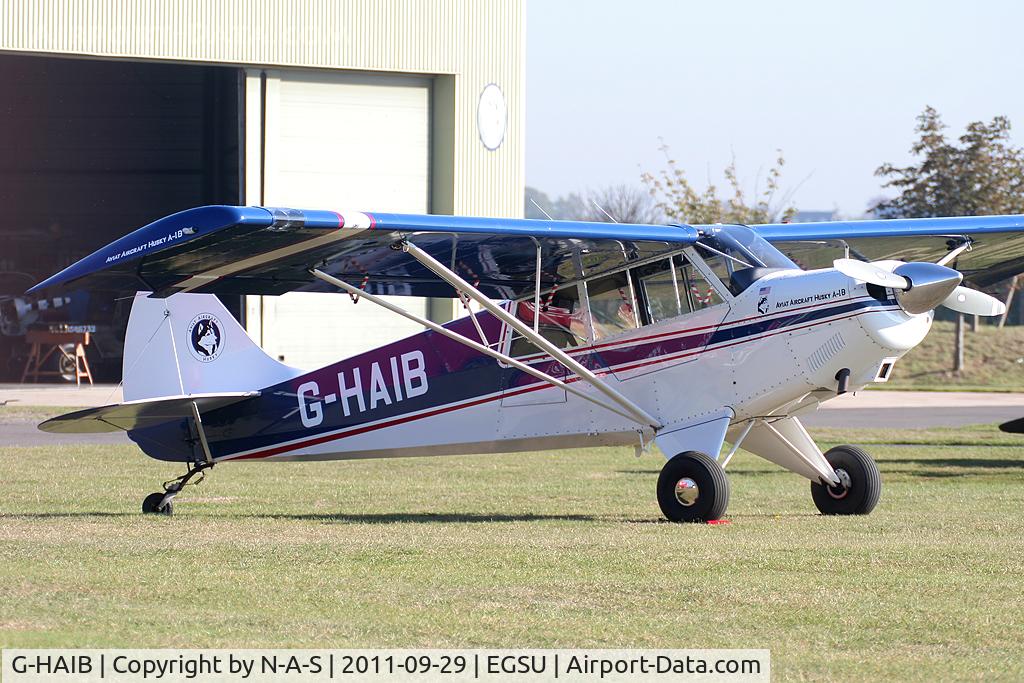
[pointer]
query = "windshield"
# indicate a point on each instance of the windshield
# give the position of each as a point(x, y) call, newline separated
point(741, 243)
point(739, 255)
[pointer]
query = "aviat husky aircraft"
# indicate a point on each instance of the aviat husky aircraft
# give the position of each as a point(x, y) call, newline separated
point(588, 334)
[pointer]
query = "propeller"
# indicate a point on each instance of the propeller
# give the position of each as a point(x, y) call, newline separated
point(872, 273)
point(973, 302)
point(922, 286)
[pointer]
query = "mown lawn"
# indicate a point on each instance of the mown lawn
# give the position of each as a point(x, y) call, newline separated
point(544, 549)
point(993, 361)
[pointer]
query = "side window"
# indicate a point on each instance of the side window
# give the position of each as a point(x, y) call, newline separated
point(660, 295)
point(660, 298)
point(702, 294)
point(561, 322)
point(611, 304)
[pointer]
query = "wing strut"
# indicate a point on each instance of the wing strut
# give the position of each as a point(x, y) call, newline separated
point(637, 413)
point(487, 350)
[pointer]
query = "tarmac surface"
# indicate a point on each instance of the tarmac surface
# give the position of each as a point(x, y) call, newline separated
point(916, 409)
point(62, 395)
point(23, 432)
point(865, 409)
point(26, 434)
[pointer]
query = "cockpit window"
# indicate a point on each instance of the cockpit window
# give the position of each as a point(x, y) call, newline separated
point(739, 256)
point(618, 302)
point(671, 287)
point(561, 322)
point(611, 304)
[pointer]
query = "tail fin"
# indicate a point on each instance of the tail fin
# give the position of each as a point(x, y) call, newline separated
point(190, 344)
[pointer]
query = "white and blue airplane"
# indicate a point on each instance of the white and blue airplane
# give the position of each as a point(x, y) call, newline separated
point(684, 337)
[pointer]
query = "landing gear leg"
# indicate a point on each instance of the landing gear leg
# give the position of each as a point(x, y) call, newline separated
point(162, 503)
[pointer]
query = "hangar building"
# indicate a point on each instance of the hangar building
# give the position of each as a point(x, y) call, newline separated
point(117, 113)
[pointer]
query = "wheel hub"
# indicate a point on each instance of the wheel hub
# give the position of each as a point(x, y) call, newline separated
point(687, 491)
point(842, 489)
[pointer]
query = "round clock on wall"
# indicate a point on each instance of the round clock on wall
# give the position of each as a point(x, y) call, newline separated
point(492, 117)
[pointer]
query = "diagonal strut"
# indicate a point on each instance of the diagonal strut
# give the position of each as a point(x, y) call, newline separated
point(637, 413)
point(455, 336)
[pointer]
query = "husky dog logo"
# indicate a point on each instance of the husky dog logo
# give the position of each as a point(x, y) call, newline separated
point(762, 305)
point(205, 337)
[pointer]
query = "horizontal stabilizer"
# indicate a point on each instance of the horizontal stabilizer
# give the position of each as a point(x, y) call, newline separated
point(139, 414)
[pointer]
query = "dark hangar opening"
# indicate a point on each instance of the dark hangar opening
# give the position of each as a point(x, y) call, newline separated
point(93, 149)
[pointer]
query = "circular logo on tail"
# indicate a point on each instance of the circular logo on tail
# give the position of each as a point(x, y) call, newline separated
point(205, 337)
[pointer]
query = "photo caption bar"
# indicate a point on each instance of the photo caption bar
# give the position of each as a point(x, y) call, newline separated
point(202, 665)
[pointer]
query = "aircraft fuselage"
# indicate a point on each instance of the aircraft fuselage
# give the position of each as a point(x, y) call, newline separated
point(762, 353)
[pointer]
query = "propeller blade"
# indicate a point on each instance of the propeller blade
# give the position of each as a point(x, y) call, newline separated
point(870, 273)
point(973, 302)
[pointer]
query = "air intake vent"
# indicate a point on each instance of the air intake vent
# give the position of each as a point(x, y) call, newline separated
point(816, 361)
point(885, 369)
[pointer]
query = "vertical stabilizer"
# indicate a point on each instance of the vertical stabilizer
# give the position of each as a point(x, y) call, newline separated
point(190, 344)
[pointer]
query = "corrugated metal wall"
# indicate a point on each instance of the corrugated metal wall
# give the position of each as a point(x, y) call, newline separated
point(477, 41)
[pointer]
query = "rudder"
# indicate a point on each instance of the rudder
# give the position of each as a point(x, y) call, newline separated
point(191, 344)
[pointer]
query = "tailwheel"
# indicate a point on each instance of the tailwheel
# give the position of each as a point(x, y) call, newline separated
point(162, 503)
point(153, 504)
point(860, 484)
point(693, 487)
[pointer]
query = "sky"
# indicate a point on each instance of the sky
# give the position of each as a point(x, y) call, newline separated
point(835, 85)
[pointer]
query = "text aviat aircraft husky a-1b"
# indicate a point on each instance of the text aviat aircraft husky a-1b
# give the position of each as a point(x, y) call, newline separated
point(683, 336)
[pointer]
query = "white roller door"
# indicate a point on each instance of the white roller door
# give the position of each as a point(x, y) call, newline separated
point(342, 142)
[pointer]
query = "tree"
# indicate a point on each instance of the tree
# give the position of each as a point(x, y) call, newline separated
point(623, 204)
point(982, 175)
point(680, 201)
point(571, 207)
point(614, 203)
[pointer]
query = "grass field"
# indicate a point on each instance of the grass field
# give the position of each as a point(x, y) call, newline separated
point(543, 549)
point(994, 361)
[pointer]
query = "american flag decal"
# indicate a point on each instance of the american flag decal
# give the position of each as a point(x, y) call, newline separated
point(764, 291)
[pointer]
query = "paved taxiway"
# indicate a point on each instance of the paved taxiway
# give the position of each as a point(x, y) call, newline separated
point(916, 409)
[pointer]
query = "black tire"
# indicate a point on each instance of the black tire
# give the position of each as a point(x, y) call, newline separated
point(864, 490)
point(149, 505)
point(712, 488)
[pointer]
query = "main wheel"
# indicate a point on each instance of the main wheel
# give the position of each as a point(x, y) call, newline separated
point(152, 501)
point(693, 487)
point(860, 483)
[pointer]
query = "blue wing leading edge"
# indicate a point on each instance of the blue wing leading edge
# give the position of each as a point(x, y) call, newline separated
point(257, 250)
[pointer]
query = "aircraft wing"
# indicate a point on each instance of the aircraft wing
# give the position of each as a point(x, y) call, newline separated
point(997, 250)
point(256, 250)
